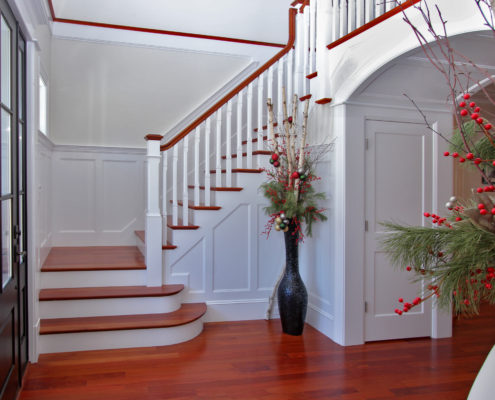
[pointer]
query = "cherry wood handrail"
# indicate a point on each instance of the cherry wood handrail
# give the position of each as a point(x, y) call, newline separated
point(238, 88)
point(373, 23)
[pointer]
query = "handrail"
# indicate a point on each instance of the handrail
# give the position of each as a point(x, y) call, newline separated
point(372, 23)
point(238, 88)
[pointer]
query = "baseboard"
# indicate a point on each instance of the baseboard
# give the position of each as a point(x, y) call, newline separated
point(238, 310)
point(320, 320)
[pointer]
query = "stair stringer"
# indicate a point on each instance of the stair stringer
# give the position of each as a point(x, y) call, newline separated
point(227, 262)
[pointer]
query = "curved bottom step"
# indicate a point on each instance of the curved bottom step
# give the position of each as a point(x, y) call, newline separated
point(121, 331)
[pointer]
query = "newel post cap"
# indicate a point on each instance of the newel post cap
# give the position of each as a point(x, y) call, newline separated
point(153, 137)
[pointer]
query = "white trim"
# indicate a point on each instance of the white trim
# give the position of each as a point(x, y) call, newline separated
point(171, 42)
point(72, 148)
point(238, 310)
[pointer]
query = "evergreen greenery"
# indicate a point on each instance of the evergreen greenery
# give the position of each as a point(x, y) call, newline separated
point(456, 263)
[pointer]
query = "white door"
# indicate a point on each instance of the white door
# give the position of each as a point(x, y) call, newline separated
point(399, 189)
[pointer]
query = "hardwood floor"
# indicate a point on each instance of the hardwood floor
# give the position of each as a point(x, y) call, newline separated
point(254, 360)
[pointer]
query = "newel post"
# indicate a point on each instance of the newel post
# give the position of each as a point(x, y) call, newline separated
point(153, 224)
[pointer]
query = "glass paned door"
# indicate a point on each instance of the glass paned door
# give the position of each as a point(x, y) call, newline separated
point(13, 240)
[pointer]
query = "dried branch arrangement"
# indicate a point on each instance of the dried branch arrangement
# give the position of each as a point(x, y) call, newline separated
point(456, 255)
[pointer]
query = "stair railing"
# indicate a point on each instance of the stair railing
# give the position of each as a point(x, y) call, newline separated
point(221, 139)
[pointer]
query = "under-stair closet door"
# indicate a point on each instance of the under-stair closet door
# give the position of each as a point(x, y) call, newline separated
point(398, 188)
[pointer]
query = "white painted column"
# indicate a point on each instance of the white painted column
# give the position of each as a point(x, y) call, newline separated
point(185, 186)
point(153, 227)
point(218, 150)
point(320, 86)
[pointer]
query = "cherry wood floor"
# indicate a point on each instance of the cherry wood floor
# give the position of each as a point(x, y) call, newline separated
point(254, 360)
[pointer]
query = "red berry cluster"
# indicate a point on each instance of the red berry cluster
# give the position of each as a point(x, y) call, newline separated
point(490, 188)
point(436, 219)
point(484, 211)
point(407, 306)
point(473, 111)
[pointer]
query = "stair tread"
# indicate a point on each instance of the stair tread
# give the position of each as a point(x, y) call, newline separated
point(312, 75)
point(201, 206)
point(179, 225)
point(169, 246)
point(240, 170)
point(93, 258)
point(265, 138)
point(187, 313)
point(324, 100)
point(255, 153)
point(219, 188)
point(307, 97)
point(108, 292)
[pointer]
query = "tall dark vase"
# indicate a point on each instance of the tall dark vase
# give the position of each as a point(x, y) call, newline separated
point(292, 295)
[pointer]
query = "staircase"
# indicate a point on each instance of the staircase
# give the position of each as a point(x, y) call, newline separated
point(201, 192)
point(94, 298)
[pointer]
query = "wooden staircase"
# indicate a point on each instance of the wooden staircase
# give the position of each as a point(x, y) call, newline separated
point(94, 298)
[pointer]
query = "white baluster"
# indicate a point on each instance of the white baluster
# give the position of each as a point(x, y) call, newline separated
point(153, 227)
point(379, 8)
point(389, 5)
point(305, 54)
point(312, 36)
point(240, 100)
point(298, 56)
point(218, 151)
point(351, 15)
point(290, 74)
point(343, 18)
point(185, 188)
point(228, 145)
point(360, 13)
point(336, 20)
point(207, 162)
point(250, 127)
point(164, 190)
point(260, 111)
point(197, 139)
point(370, 10)
point(175, 189)
point(269, 93)
point(280, 86)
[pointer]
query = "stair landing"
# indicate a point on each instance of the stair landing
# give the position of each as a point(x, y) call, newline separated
point(93, 258)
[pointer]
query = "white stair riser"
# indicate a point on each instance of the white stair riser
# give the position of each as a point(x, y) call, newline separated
point(82, 341)
point(102, 307)
point(70, 279)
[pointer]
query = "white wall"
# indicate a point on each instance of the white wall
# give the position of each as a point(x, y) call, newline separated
point(113, 95)
point(97, 195)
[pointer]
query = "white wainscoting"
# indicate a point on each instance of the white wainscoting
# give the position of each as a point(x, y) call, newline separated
point(98, 195)
point(44, 187)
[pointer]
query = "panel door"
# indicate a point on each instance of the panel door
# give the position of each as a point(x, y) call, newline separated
point(398, 188)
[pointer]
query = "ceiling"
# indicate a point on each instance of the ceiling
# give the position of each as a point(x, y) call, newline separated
point(253, 20)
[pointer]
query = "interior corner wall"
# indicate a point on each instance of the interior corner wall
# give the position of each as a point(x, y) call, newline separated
point(317, 253)
point(104, 94)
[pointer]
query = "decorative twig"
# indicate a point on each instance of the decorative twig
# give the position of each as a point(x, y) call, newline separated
point(271, 129)
point(269, 310)
point(303, 143)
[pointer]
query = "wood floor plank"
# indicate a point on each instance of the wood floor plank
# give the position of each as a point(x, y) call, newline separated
point(93, 258)
point(254, 360)
point(108, 292)
point(187, 313)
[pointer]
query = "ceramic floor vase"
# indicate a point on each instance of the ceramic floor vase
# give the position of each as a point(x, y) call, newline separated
point(292, 295)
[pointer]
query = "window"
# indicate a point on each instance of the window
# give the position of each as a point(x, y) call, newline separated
point(43, 107)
